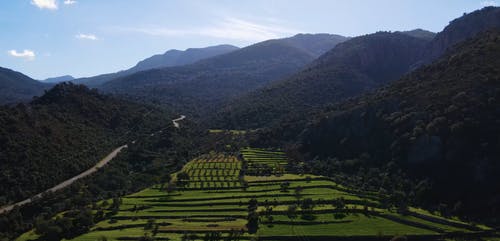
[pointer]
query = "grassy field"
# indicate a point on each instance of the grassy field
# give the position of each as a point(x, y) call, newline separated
point(216, 195)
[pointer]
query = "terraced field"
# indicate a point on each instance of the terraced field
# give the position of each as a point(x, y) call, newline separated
point(264, 162)
point(210, 196)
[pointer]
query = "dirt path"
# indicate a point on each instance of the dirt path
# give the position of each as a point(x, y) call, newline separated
point(68, 182)
point(176, 121)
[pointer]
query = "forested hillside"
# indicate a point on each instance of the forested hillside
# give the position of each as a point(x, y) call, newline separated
point(203, 86)
point(439, 124)
point(62, 133)
point(351, 68)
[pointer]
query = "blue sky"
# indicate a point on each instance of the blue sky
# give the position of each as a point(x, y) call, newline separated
point(46, 38)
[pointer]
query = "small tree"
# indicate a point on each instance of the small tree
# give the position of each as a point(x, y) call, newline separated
point(182, 179)
point(149, 224)
point(291, 212)
point(307, 207)
point(102, 238)
point(253, 222)
point(298, 192)
point(284, 186)
point(244, 185)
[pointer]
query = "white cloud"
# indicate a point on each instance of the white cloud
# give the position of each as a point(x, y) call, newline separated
point(48, 4)
point(26, 54)
point(229, 28)
point(69, 2)
point(233, 28)
point(489, 3)
point(86, 36)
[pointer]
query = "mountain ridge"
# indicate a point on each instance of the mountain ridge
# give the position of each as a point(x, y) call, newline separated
point(16, 87)
point(316, 84)
point(352, 67)
point(170, 58)
point(209, 82)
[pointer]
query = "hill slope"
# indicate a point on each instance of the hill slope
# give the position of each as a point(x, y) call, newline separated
point(441, 122)
point(62, 133)
point(209, 82)
point(352, 67)
point(17, 87)
point(170, 58)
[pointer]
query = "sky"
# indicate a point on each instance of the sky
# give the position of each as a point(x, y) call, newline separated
point(48, 38)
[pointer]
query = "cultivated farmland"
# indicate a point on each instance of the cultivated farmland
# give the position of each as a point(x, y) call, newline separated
point(249, 195)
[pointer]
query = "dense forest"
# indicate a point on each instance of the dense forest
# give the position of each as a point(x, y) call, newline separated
point(62, 133)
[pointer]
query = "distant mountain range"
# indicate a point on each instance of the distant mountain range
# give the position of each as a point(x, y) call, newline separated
point(177, 57)
point(351, 68)
point(16, 87)
point(168, 59)
point(209, 82)
point(59, 79)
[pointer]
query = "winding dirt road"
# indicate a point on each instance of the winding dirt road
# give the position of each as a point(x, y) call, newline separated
point(70, 181)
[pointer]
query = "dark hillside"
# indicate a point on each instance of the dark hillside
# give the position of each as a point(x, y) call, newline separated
point(441, 122)
point(351, 68)
point(62, 133)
